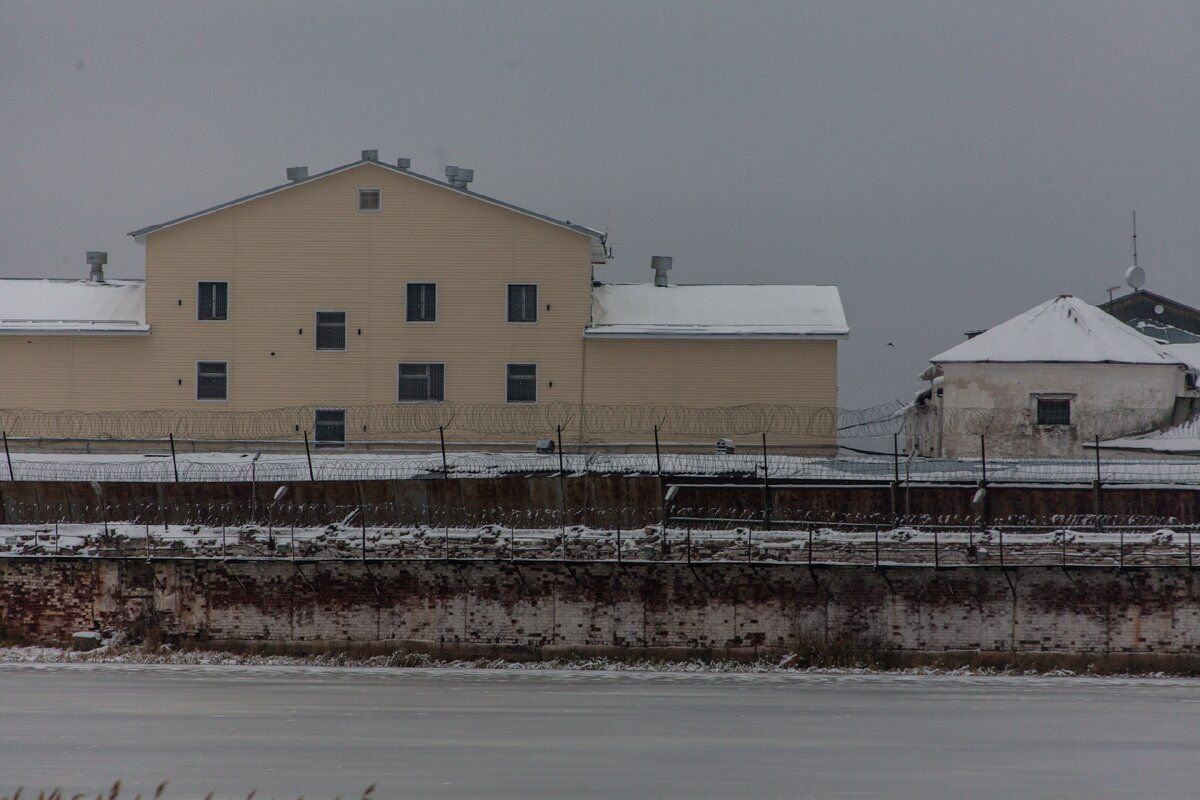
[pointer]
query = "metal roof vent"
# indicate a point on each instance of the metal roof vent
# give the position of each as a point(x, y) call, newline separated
point(295, 174)
point(459, 177)
point(370, 155)
point(404, 163)
point(661, 265)
point(96, 259)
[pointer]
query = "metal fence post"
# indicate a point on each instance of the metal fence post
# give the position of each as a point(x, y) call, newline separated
point(562, 488)
point(308, 456)
point(895, 477)
point(8, 456)
point(937, 560)
point(174, 463)
point(766, 485)
point(1096, 501)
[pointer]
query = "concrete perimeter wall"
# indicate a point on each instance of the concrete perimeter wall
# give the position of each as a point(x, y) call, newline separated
point(452, 607)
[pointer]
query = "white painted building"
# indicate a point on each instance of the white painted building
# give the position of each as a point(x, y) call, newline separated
point(1050, 382)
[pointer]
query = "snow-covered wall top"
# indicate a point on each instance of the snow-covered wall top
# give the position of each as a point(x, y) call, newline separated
point(46, 306)
point(1066, 330)
point(714, 311)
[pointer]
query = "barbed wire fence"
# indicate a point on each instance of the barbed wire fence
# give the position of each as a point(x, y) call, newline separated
point(397, 441)
point(580, 422)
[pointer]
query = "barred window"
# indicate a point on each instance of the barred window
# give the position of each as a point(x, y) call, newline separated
point(368, 200)
point(212, 302)
point(212, 380)
point(522, 383)
point(1053, 411)
point(331, 330)
point(422, 382)
point(522, 302)
point(329, 427)
point(422, 302)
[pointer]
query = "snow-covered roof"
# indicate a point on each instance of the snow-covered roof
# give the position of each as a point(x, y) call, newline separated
point(1181, 438)
point(1063, 330)
point(49, 306)
point(140, 234)
point(624, 310)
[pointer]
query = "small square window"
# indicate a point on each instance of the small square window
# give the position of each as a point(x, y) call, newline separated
point(212, 301)
point(422, 302)
point(329, 427)
point(331, 330)
point(368, 200)
point(212, 380)
point(1053, 411)
point(522, 302)
point(522, 383)
point(422, 383)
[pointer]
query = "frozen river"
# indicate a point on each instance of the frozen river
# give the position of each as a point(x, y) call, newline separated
point(507, 734)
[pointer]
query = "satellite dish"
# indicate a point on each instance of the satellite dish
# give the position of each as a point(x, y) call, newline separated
point(1135, 276)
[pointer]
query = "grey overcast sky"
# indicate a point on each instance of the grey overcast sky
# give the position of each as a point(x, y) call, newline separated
point(946, 164)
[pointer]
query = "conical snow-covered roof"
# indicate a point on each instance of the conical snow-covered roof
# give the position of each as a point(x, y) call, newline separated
point(1062, 330)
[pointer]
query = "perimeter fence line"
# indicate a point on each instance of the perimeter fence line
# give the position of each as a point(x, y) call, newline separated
point(165, 467)
point(578, 422)
point(940, 547)
point(583, 424)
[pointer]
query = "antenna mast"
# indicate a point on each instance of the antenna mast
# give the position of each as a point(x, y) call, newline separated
point(1135, 238)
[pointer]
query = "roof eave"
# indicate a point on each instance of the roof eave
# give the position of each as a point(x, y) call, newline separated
point(140, 234)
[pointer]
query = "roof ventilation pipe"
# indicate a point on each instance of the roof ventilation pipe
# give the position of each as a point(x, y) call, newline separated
point(459, 177)
point(297, 174)
point(96, 259)
point(661, 265)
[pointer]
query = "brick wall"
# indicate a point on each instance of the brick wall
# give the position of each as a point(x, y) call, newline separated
point(706, 606)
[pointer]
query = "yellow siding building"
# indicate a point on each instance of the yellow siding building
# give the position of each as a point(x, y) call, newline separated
point(370, 285)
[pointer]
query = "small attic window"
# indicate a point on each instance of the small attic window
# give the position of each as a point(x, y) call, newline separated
point(368, 200)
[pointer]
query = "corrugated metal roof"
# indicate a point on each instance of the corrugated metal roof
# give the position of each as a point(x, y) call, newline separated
point(710, 311)
point(50, 306)
point(595, 234)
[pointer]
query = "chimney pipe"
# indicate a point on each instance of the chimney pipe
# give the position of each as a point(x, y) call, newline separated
point(661, 265)
point(96, 259)
point(295, 174)
point(459, 177)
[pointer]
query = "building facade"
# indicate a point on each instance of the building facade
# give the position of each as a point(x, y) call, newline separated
point(373, 287)
point(1051, 382)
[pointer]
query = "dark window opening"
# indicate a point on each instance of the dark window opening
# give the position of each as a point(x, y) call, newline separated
point(1052, 411)
point(522, 302)
point(422, 302)
point(330, 427)
point(331, 330)
point(213, 301)
point(522, 383)
point(422, 383)
point(212, 380)
point(368, 199)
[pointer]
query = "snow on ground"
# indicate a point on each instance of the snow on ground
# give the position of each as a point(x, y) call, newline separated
point(240, 466)
point(826, 545)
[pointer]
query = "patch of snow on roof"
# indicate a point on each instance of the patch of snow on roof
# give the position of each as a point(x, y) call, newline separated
point(49, 306)
point(1063, 330)
point(741, 311)
point(1181, 438)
